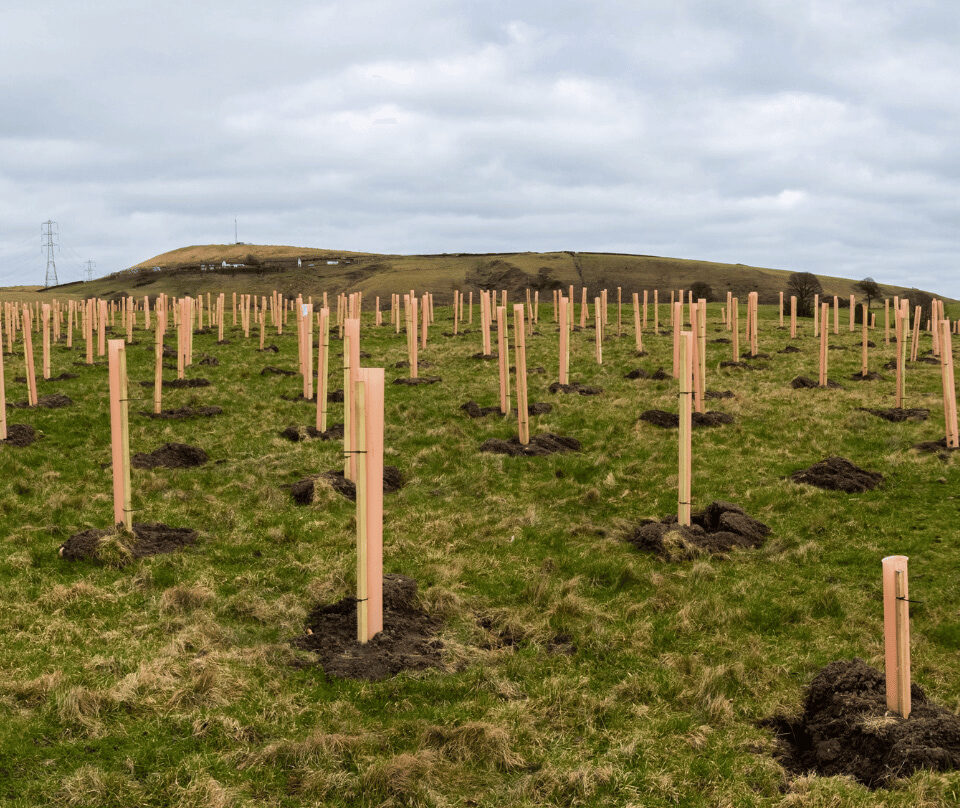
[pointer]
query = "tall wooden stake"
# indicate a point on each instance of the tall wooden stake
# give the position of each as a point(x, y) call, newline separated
point(503, 360)
point(368, 398)
point(520, 348)
point(896, 634)
point(323, 352)
point(949, 386)
point(684, 478)
point(119, 433)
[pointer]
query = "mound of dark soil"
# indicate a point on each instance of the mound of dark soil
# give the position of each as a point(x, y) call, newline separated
point(575, 387)
point(757, 355)
point(271, 370)
point(408, 640)
point(420, 364)
point(481, 355)
point(148, 539)
point(838, 474)
point(637, 373)
point(721, 341)
point(538, 408)
point(61, 378)
point(938, 447)
point(743, 364)
point(870, 377)
point(718, 394)
point(719, 528)
point(928, 360)
point(179, 384)
point(185, 412)
point(660, 375)
point(223, 342)
point(845, 729)
point(418, 380)
point(806, 383)
point(836, 348)
point(790, 349)
point(474, 410)
point(266, 349)
point(23, 435)
point(209, 360)
point(299, 433)
point(302, 490)
point(336, 396)
point(898, 414)
point(170, 456)
point(671, 420)
point(536, 370)
point(544, 444)
point(52, 402)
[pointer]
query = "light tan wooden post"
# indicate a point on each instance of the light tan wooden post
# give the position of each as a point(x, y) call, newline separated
point(656, 312)
point(71, 305)
point(583, 307)
point(734, 324)
point(676, 310)
point(564, 314)
point(836, 315)
point(102, 328)
point(351, 364)
point(470, 309)
point(863, 342)
point(684, 477)
point(824, 348)
point(853, 313)
point(793, 316)
point(503, 360)
point(308, 354)
point(158, 365)
point(752, 325)
point(234, 309)
point(896, 634)
point(781, 309)
point(598, 320)
point(536, 307)
point(700, 335)
point(323, 357)
point(644, 321)
point(729, 311)
point(695, 359)
point(119, 433)
point(45, 315)
point(886, 321)
point(28, 357)
point(425, 320)
point(637, 328)
point(520, 351)
point(619, 314)
point(915, 345)
point(3, 398)
point(181, 310)
point(949, 386)
point(900, 315)
point(485, 315)
point(412, 331)
point(369, 389)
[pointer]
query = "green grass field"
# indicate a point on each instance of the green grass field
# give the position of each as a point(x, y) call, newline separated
point(171, 681)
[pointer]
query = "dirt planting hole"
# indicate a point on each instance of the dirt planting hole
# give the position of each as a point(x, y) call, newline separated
point(21, 435)
point(845, 729)
point(671, 420)
point(408, 640)
point(419, 380)
point(543, 444)
point(298, 433)
point(302, 491)
point(575, 387)
point(185, 412)
point(148, 539)
point(170, 456)
point(838, 474)
point(806, 383)
point(51, 402)
point(898, 415)
point(716, 530)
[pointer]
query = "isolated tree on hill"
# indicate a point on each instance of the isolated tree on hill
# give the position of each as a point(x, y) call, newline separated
point(804, 285)
point(869, 288)
point(921, 299)
point(701, 289)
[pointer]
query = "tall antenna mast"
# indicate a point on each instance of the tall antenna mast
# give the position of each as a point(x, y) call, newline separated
point(49, 233)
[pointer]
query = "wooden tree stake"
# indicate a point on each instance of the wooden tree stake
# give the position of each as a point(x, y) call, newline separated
point(323, 354)
point(351, 364)
point(520, 349)
point(119, 433)
point(503, 360)
point(949, 386)
point(370, 421)
point(896, 634)
point(684, 478)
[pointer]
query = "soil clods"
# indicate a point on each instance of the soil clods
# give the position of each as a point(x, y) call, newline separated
point(148, 539)
point(170, 456)
point(299, 433)
point(408, 640)
point(838, 474)
point(575, 387)
point(721, 527)
point(543, 444)
point(21, 435)
point(418, 380)
point(898, 414)
point(302, 491)
point(845, 729)
point(806, 383)
point(671, 420)
point(185, 412)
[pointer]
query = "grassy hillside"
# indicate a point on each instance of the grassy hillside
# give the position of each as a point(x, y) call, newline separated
point(576, 669)
point(273, 267)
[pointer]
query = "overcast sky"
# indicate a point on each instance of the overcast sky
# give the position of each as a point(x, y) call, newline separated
point(816, 136)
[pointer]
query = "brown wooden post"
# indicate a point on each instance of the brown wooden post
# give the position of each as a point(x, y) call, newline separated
point(308, 354)
point(853, 313)
point(915, 345)
point(781, 309)
point(564, 315)
point(734, 325)
point(700, 335)
point(323, 357)
point(71, 306)
point(900, 316)
point(470, 310)
point(684, 477)
point(863, 342)
point(695, 359)
point(45, 315)
point(583, 307)
point(503, 360)
point(949, 386)
point(520, 351)
point(645, 298)
point(119, 433)
point(485, 316)
point(102, 328)
point(824, 348)
point(677, 319)
point(425, 321)
point(28, 357)
point(793, 316)
point(896, 634)
point(412, 336)
point(351, 364)
point(619, 313)
point(536, 307)
point(836, 315)
point(158, 365)
point(3, 398)
point(656, 312)
point(886, 321)
point(598, 320)
point(369, 396)
point(752, 325)
point(637, 328)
